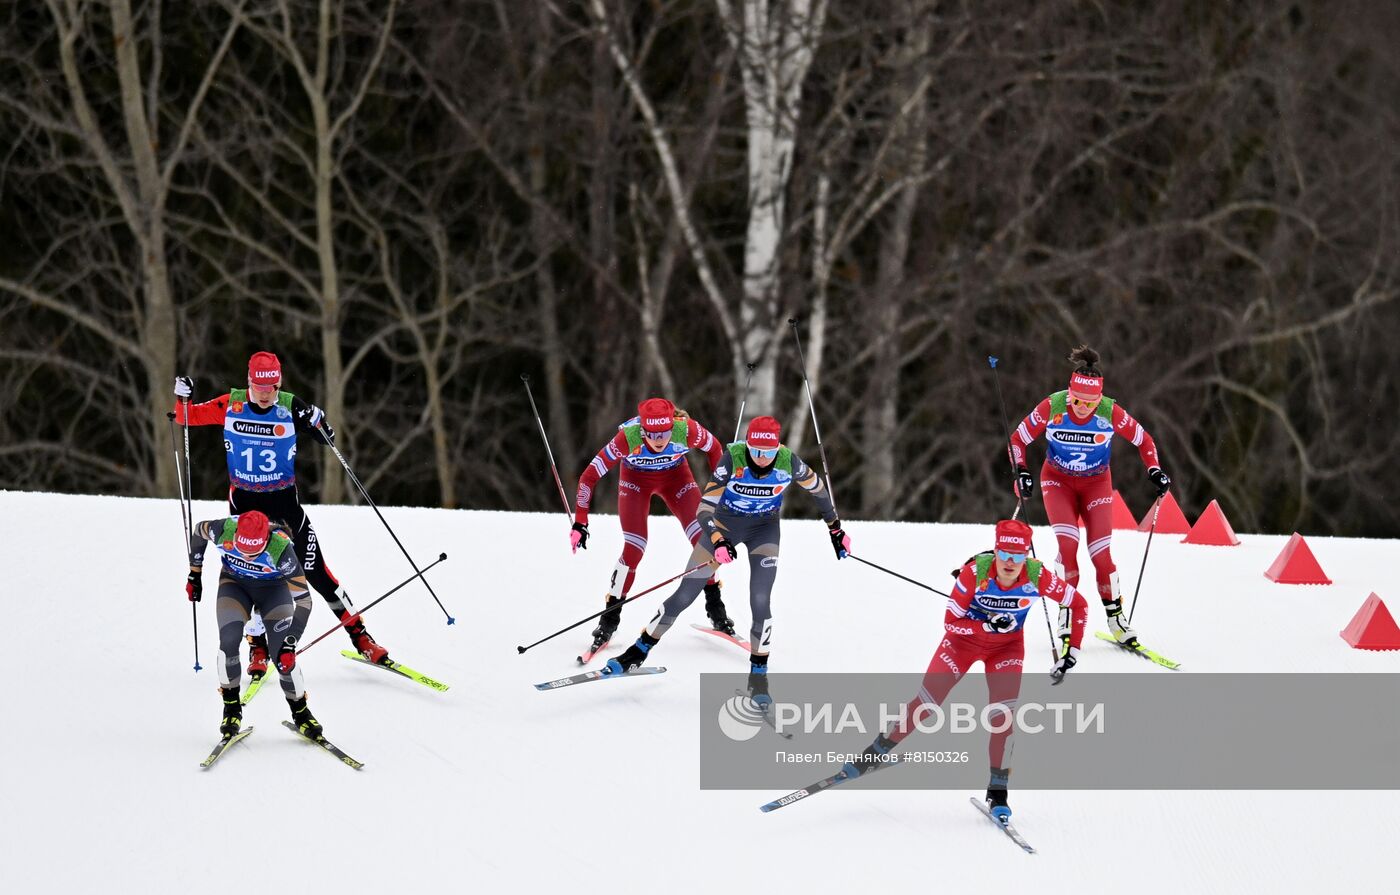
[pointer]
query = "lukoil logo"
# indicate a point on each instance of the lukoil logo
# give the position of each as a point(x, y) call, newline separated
point(740, 718)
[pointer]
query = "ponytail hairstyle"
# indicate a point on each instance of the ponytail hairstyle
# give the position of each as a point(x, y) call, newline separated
point(1086, 361)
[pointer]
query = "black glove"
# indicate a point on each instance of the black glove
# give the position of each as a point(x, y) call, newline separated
point(328, 431)
point(1000, 623)
point(1025, 485)
point(184, 387)
point(582, 540)
point(1160, 480)
point(1067, 660)
point(194, 584)
point(840, 541)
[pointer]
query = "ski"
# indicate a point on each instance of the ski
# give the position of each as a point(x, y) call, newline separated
point(835, 779)
point(326, 744)
point(254, 685)
point(740, 642)
point(1004, 826)
point(589, 676)
point(587, 655)
point(397, 668)
point(1140, 650)
point(222, 746)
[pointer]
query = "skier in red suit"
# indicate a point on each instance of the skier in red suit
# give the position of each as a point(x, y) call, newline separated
point(984, 623)
point(652, 448)
point(1079, 425)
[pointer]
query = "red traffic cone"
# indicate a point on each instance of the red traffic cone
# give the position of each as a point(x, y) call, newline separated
point(1212, 528)
point(1170, 519)
point(1296, 565)
point(1372, 627)
point(1122, 516)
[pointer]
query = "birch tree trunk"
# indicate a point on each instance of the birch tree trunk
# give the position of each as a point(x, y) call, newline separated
point(775, 41)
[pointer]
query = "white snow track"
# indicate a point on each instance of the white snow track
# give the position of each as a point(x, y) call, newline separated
point(495, 787)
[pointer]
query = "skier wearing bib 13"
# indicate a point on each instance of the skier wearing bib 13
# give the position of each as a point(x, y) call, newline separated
point(1075, 481)
point(261, 424)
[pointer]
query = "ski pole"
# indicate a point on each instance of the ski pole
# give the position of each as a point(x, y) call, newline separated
point(617, 605)
point(558, 483)
point(792, 321)
point(1156, 508)
point(402, 584)
point(356, 479)
point(738, 424)
point(1020, 501)
point(186, 512)
point(897, 575)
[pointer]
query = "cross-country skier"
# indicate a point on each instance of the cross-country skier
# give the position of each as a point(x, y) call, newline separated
point(742, 504)
point(652, 448)
point(984, 620)
point(260, 572)
point(1075, 481)
point(261, 424)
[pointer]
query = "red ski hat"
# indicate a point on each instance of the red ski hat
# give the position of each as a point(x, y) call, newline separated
point(657, 415)
point(264, 369)
point(1086, 384)
point(764, 433)
point(253, 532)
point(1013, 536)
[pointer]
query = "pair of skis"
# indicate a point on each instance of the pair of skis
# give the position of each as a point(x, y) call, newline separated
point(1137, 649)
point(841, 777)
point(223, 746)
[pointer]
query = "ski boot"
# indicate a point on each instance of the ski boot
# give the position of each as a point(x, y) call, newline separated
point(304, 720)
point(1118, 624)
point(372, 651)
point(631, 657)
point(257, 655)
point(758, 682)
point(996, 794)
point(607, 626)
point(714, 608)
point(233, 711)
point(875, 754)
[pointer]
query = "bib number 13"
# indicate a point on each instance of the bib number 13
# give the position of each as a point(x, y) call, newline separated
point(268, 457)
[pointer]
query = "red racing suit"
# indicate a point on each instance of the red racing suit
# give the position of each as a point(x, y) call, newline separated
point(976, 599)
point(644, 473)
point(1075, 480)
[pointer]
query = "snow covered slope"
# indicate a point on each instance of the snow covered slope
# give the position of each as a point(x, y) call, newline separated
point(494, 786)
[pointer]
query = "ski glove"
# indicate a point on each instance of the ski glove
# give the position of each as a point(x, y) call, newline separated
point(287, 655)
point(194, 584)
point(724, 551)
point(1066, 662)
point(1000, 623)
point(579, 536)
point(840, 541)
point(184, 387)
point(1025, 485)
point(1160, 479)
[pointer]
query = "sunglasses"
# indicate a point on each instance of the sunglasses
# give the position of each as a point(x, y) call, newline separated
point(1080, 402)
point(1010, 557)
point(764, 453)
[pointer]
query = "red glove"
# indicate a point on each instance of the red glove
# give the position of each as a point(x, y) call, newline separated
point(194, 585)
point(287, 655)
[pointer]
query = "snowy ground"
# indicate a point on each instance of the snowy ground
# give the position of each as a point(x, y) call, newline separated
point(494, 785)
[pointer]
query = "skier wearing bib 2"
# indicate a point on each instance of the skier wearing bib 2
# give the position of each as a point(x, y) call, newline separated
point(984, 622)
point(1075, 481)
point(652, 448)
point(261, 424)
point(741, 505)
point(260, 572)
